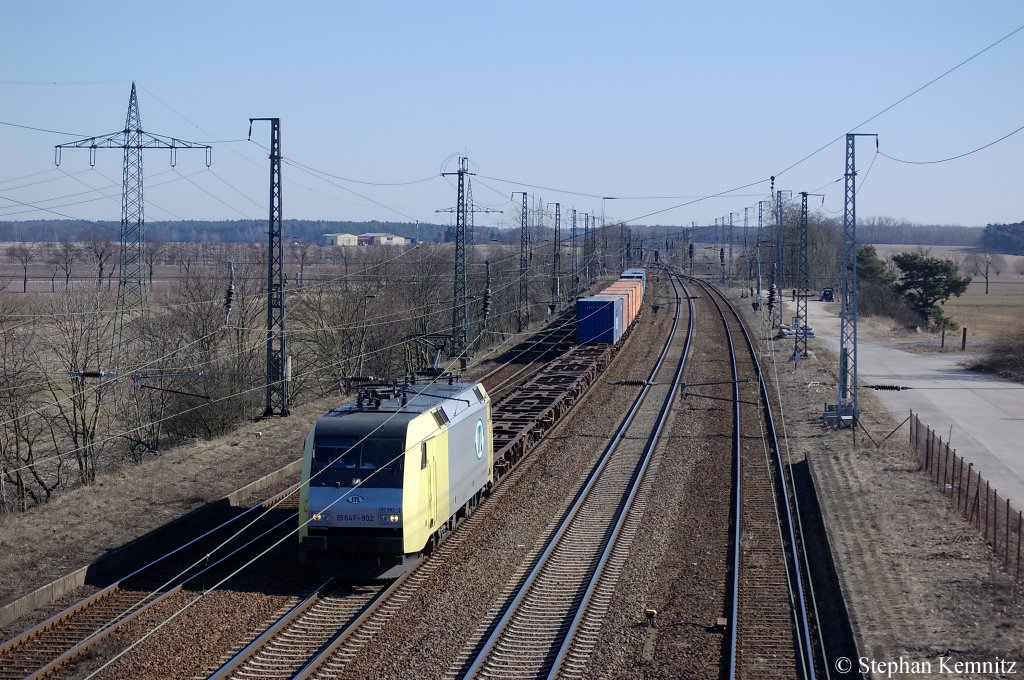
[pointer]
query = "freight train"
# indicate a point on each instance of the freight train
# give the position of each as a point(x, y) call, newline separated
point(386, 476)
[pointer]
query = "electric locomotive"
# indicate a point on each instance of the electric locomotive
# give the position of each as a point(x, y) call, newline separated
point(386, 476)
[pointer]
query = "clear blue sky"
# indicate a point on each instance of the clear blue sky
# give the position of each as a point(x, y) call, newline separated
point(615, 99)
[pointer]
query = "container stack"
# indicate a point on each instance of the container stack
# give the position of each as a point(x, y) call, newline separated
point(605, 317)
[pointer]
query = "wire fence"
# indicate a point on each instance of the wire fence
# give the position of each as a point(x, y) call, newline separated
point(998, 520)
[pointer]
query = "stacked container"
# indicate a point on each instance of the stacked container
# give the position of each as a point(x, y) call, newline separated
point(603, 318)
point(636, 273)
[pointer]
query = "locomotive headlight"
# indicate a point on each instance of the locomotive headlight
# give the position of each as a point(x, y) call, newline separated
point(316, 517)
point(393, 519)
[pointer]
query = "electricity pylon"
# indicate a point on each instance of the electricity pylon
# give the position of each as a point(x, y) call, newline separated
point(131, 284)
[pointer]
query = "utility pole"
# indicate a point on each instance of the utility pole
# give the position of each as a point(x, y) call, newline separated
point(847, 410)
point(277, 378)
point(460, 318)
point(556, 261)
point(779, 274)
point(746, 248)
point(803, 284)
point(574, 263)
point(731, 239)
point(131, 288)
point(587, 246)
point(780, 281)
point(524, 246)
point(760, 239)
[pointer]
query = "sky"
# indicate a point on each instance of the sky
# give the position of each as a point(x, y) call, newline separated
point(674, 100)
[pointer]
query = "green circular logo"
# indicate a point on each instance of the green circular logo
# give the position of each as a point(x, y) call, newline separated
point(481, 438)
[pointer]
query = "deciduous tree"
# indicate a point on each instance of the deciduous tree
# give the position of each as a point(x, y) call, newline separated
point(23, 254)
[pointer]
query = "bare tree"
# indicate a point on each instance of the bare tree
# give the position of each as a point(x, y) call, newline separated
point(79, 341)
point(102, 248)
point(23, 424)
point(302, 252)
point(23, 254)
point(984, 263)
point(64, 257)
point(155, 249)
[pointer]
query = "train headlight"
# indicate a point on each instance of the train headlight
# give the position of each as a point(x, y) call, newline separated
point(393, 519)
point(316, 517)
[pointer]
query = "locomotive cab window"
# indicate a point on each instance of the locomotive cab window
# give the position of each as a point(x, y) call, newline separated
point(354, 461)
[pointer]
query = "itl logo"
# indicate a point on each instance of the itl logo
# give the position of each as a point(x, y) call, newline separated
point(355, 499)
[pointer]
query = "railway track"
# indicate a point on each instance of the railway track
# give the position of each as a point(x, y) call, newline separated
point(532, 629)
point(541, 401)
point(528, 357)
point(45, 648)
point(769, 622)
point(309, 627)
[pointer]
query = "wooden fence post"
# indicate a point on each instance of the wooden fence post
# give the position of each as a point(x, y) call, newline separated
point(1020, 519)
point(960, 481)
point(945, 469)
point(1006, 536)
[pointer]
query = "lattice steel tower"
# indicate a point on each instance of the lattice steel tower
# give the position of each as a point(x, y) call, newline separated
point(524, 247)
point(131, 283)
point(556, 261)
point(803, 281)
point(277, 355)
point(847, 409)
point(574, 261)
point(460, 317)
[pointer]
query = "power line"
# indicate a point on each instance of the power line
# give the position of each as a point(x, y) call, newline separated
point(902, 99)
point(953, 158)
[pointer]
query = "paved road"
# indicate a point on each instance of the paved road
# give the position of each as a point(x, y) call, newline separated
point(986, 413)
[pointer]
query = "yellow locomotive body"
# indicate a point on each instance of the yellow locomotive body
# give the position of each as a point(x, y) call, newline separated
point(385, 477)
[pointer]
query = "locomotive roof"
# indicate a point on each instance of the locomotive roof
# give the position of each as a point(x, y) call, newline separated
point(420, 398)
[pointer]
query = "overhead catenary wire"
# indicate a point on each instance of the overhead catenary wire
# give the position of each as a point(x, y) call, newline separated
point(956, 157)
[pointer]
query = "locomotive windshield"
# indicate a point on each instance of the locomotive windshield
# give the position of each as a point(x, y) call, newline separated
point(348, 461)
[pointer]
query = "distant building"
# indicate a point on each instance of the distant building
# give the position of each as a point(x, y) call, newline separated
point(341, 239)
point(380, 239)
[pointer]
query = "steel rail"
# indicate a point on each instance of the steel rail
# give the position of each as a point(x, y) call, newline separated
point(130, 608)
point(805, 641)
point(652, 442)
point(510, 609)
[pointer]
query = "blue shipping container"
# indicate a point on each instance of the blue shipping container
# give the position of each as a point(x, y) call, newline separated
point(599, 320)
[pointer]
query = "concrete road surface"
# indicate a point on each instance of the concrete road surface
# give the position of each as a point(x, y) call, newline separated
point(986, 413)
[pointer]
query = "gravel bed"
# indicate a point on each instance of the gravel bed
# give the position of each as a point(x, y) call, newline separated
point(40, 614)
point(425, 638)
point(195, 640)
point(679, 565)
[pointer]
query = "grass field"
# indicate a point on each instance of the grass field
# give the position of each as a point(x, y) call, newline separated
point(985, 316)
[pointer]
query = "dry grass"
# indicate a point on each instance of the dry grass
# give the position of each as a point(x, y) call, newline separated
point(986, 317)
